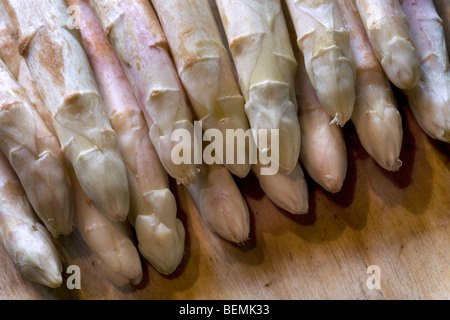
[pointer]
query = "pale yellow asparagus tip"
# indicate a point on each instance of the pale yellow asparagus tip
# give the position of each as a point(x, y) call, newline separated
point(161, 236)
point(109, 241)
point(381, 135)
point(36, 256)
point(324, 43)
point(225, 210)
point(287, 191)
point(26, 241)
point(430, 99)
point(270, 107)
point(121, 266)
point(388, 30)
point(221, 204)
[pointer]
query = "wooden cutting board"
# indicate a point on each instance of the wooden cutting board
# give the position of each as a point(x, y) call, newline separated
point(396, 221)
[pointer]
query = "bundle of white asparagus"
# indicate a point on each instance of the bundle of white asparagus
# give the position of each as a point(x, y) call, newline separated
point(135, 33)
point(430, 99)
point(324, 42)
point(153, 209)
point(113, 93)
point(65, 82)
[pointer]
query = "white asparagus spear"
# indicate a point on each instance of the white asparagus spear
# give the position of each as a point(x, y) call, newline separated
point(67, 87)
point(262, 53)
point(376, 118)
point(205, 69)
point(220, 203)
point(324, 42)
point(136, 34)
point(34, 153)
point(323, 153)
point(388, 31)
point(109, 241)
point(430, 99)
point(26, 241)
point(153, 208)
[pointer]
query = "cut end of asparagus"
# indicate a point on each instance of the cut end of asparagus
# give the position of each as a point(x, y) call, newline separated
point(289, 192)
point(161, 235)
point(36, 257)
point(403, 66)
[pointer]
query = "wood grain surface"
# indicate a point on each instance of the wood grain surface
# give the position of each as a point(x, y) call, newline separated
point(397, 221)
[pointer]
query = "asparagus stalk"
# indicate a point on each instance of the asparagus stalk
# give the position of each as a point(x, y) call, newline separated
point(430, 99)
point(67, 87)
point(9, 52)
point(324, 43)
point(136, 34)
point(153, 208)
point(388, 31)
point(34, 153)
point(443, 9)
point(26, 241)
point(18, 66)
point(323, 153)
point(259, 43)
point(220, 203)
point(109, 241)
point(376, 118)
point(205, 69)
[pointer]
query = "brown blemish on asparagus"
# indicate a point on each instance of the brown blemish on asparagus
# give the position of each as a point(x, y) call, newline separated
point(52, 59)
